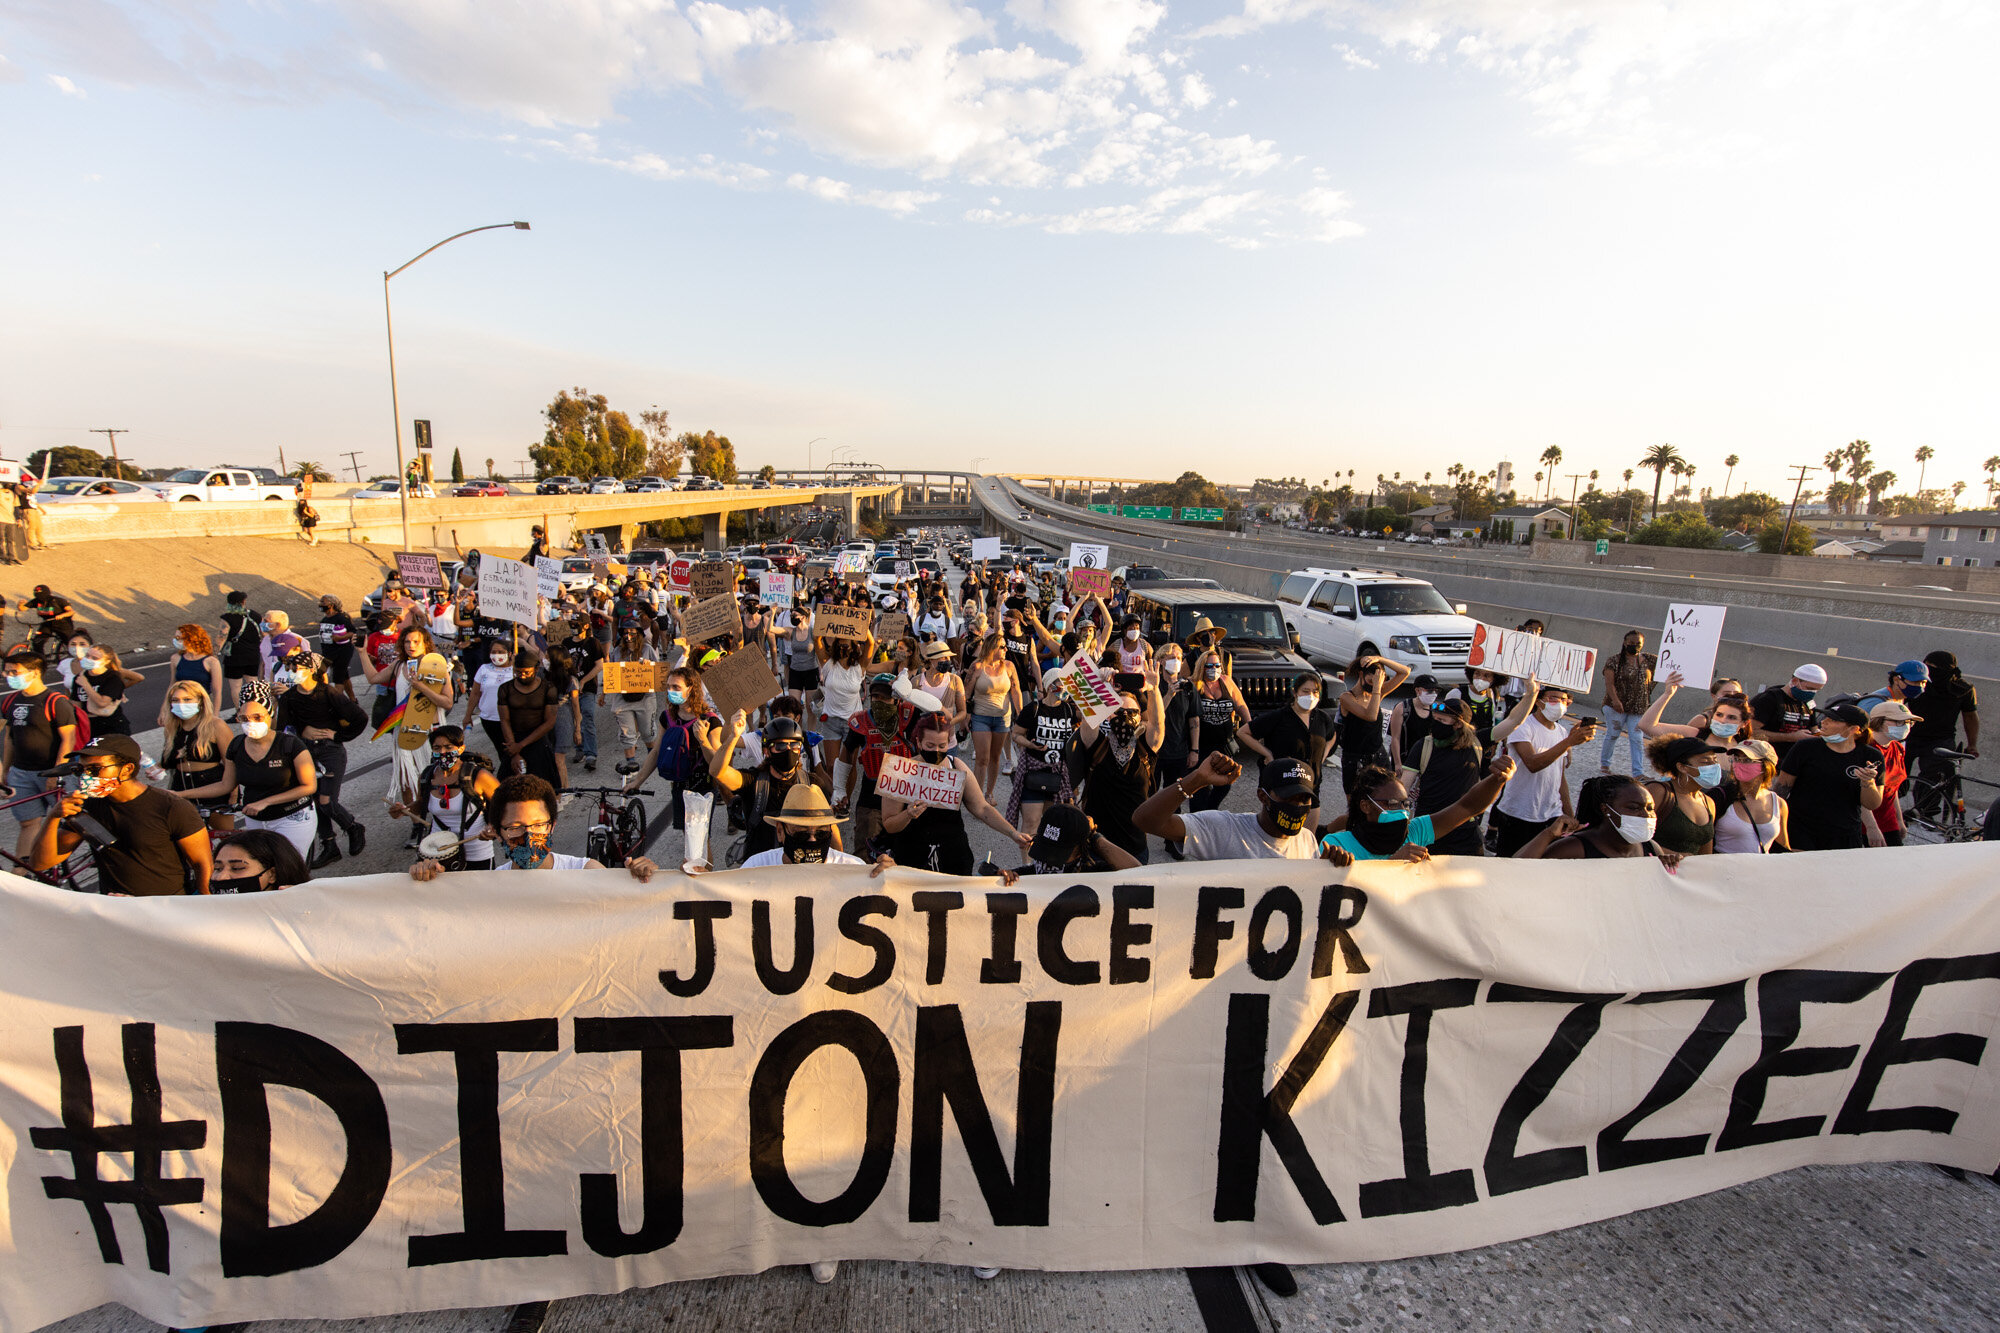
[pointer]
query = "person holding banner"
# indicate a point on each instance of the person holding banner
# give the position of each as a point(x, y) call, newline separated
point(326, 720)
point(1537, 794)
point(933, 837)
point(1068, 842)
point(1378, 824)
point(523, 811)
point(1614, 819)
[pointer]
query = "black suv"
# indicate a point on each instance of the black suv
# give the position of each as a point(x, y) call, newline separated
point(560, 486)
point(1264, 659)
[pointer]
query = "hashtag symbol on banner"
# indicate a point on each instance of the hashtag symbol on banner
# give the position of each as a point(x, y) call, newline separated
point(146, 1139)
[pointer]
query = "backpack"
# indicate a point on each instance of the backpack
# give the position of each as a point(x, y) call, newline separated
point(48, 702)
point(681, 760)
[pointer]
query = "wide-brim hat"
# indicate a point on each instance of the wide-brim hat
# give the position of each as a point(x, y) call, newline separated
point(804, 804)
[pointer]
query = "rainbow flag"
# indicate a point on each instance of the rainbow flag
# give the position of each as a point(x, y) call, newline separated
point(391, 722)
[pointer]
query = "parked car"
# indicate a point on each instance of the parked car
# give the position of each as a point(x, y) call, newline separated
point(560, 486)
point(1264, 660)
point(389, 490)
point(483, 486)
point(96, 490)
point(760, 485)
point(1138, 573)
point(577, 573)
point(222, 484)
point(652, 557)
point(270, 478)
point(606, 486)
point(1341, 614)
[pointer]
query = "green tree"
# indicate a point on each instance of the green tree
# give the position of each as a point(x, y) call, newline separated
point(1684, 527)
point(1743, 512)
point(1730, 463)
point(314, 471)
point(1550, 457)
point(585, 437)
point(1924, 455)
point(1800, 542)
point(70, 460)
point(457, 467)
point(767, 473)
point(1189, 489)
point(1660, 458)
point(710, 455)
point(664, 451)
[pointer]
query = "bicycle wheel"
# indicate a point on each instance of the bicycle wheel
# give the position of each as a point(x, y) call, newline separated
point(632, 827)
point(598, 848)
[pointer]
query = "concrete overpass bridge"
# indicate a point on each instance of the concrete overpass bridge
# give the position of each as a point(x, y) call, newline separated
point(443, 523)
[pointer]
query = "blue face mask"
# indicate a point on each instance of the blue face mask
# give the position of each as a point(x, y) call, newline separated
point(1803, 696)
point(1709, 775)
point(676, 697)
point(1392, 816)
point(1912, 691)
point(1722, 729)
point(15, 682)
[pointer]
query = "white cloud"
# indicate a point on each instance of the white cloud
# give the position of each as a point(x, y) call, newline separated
point(66, 87)
point(1195, 92)
point(903, 202)
point(1244, 220)
point(1352, 58)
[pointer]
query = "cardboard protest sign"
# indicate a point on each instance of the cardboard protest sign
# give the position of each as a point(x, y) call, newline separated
point(905, 568)
point(894, 626)
point(631, 677)
point(1511, 652)
point(419, 569)
point(703, 620)
point(985, 548)
point(712, 578)
point(1089, 555)
point(844, 622)
point(507, 591)
point(548, 577)
point(742, 680)
point(595, 546)
point(1084, 683)
point(1689, 642)
point(913, 781)
point(1089, 583)
point(776, 590)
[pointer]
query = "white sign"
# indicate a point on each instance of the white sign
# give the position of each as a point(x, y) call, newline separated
point(595, 547)
point(1512, 652)
point(507, 591)
point(851, 562)
point(918, 783)
point(985, 548)
point(548, 577)
point(1085, 555)
point(776, 590)
point(319, 1115)
point(1689, 642)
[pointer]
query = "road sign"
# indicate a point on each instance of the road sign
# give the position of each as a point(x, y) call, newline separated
point(423, 433)
point(1201, 516)
point(1603, 546)
point(1100, 509)
point(1146, 511)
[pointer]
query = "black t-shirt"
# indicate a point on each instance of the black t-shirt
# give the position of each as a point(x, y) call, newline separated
point(31, 725)
point(322, 707)
point(1286, 737)
point(277, 771)
point(1218, 720)
point(240, 644)
point(584, 655)
point(107, 683)
point(61, 619)
point(524, 706)
point(1052, 726)
point(1938, 710)
point(144, 859)
point(1825, 799)
point(1776, 710)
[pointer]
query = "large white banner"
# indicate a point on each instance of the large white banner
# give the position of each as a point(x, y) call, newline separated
point(368, 1095)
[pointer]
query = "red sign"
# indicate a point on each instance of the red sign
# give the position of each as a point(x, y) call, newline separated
point(677, 573)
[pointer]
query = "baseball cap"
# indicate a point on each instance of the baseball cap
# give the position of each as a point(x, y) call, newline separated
point(1287, 777)
point(1848, 714)
point(122, 748)
point(1890, 710)
point(1811, 673)
point(1911, 670)
point(1064, 831)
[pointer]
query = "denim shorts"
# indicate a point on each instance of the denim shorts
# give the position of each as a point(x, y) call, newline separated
point(981, 722)
point(26, 782)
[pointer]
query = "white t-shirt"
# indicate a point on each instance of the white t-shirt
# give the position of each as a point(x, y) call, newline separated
point(1535, 797)
point(490, 678)
point(444, 623)
point(942, 626)
point(1225, 835)
point(558, 861)
point(841, 688)
point(776, 857)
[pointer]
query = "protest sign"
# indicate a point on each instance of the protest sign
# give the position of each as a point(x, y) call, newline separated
point(703, 620)
point(1511, 652)
point(712, 578)
point(631, 677)
point(1689, 642)
point(776, 590)
point(1089, 583)
point(419, 569)
point(1091, 690)
point(844, 622)
point(548, 577)
point(507, 591)
point(895, 624)
point(985, 548)
point(1089, 555)
point(741, 680)
point(917, 783)
point(1206, 1064)
point(595, 546)
point(679, 573)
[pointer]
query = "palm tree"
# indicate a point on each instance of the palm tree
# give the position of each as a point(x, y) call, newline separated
point(1659, 458)
point(1551, 456)
point(1957, 489)
point(1729, 462)
point(1538, 483)
point(489, 467)
point(1992, 466)
point(1877, 484)
point(1858, 469)
point(1924, 456)
point(310, 471)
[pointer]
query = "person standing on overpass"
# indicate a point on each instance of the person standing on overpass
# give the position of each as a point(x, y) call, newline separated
point(1785, 714)
point(1628, 693)
point(1950, 700)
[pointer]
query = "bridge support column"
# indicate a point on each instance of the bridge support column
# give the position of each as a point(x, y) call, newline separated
point(713, 532)
point(850, 514)
point(895, 499)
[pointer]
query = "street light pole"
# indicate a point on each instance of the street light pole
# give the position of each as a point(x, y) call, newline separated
point(809, 453)
point(395, 403)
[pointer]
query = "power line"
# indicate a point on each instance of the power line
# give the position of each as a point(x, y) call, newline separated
point(353, 457)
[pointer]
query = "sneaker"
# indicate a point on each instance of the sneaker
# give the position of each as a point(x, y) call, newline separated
point(325, 855)
point(590, 764)
point(986, 1274)
point(414, 841)
point(823, 1270)
point(1278, 1277)
point(628, 766)
point(357, 838)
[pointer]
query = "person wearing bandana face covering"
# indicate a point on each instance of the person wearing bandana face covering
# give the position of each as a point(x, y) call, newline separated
point(877, 730)
point(1280, 829)
point(1378, 825)
point(933, 838)
point(157, 845)
point(1615, 818)
point(806, 836)
point(523, 813)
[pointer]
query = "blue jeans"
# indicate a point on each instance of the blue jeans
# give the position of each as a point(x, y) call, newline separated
point(589, 705)
point(1628, 723)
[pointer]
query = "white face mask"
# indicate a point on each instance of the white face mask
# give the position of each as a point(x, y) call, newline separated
point(1425, 698)
point(185, 709)
point(1480, 688)
point(497, 661)
point(1308, 701)
point(77, 650)
point(1171, 667)
point(1635, 829)
point(1132, 635)
point(1554, 710)
point(179, 646)
point(256, 731)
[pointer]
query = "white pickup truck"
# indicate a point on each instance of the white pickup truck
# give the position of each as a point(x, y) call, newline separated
point(222, 483)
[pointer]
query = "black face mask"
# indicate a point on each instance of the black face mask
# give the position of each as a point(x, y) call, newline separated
point(243, 884)
point(809, 847)
point(784, 763)
point(933, 757)
point(1377, 836)
point(1445, 730)
point(1289, 819)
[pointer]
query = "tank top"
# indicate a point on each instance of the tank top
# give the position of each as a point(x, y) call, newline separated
point(1218, 718)
point(191, 668)
point(1678, 833)
point(189, 749)
point(934, 840)
point(448, 806)
point(1736, 833)
point(989, 695)
point(1415, 729)
point(938, 691)
point(1360, 737)
point(1131, 657)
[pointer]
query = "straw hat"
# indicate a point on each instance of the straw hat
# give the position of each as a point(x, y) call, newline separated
point(804, 804)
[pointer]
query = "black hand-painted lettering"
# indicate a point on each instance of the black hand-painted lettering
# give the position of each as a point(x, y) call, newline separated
point(938, 906)
point(1727, 1008)
point(1127, 934)
point(704, 915)
point(944, 1073)
point(1002, 966)
point(792, 978)
point(1267, 964)
point(1210, 930)
point(475, 1051)
point(1250, 1115)
point(1340, 909)
point(1418, 1190)
point(147, 1139)
point(249, 1058)
point(1780, 997)
point(873, 937)
point(1078, 900)
point(659, 1042)
point(1506, 1169)
point(773, 1078)
point(1892, 1047)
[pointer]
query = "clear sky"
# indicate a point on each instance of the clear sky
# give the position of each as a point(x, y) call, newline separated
point(1250, 237)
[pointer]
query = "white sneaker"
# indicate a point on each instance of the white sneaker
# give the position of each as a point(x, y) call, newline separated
point(986, 1274)
point(823, 1270)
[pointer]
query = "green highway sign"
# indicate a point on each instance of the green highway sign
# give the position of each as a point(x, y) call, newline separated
point(1201, 516)
point(1603, 546)
point(1146, 511)
point(1100, 509)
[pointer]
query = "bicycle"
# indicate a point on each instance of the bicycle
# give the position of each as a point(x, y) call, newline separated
point(67, 873)
point(1944, 795)
point(619, 829)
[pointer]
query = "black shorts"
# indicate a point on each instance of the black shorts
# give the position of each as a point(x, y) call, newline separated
point(796, 679)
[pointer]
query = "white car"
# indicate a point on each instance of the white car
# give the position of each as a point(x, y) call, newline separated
point(218, 483)
point(1342, 614)
point(95, 490)
point(389, 490)
point(607, 486)
point(577, 574)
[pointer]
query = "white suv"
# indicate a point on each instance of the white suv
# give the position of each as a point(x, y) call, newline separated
point(219, 484)
point(1342, 614)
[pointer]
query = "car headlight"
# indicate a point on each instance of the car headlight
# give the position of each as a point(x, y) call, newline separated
point(1409, 643)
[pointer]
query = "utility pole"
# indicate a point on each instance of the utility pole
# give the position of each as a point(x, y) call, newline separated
point(353, 457)
point(117, 468)
point(1798, 490)
point(1574, 478)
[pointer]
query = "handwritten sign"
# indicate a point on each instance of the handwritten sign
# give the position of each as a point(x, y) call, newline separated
point(776, 590)
point(985, 548)
point(1689, 642)
point(905, 568)
point(741, 680)
point(595, 546)
point(420, 569)
point(845, 622)
point(1510, 652)
point(893, 627)
point(631, 677)
point(711, 617)
point(712, 578)
point(917, 783)
point(507, 591)
point(1089, 555)
point(1090, 689)
point(1089, 582)
point(548, 577)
